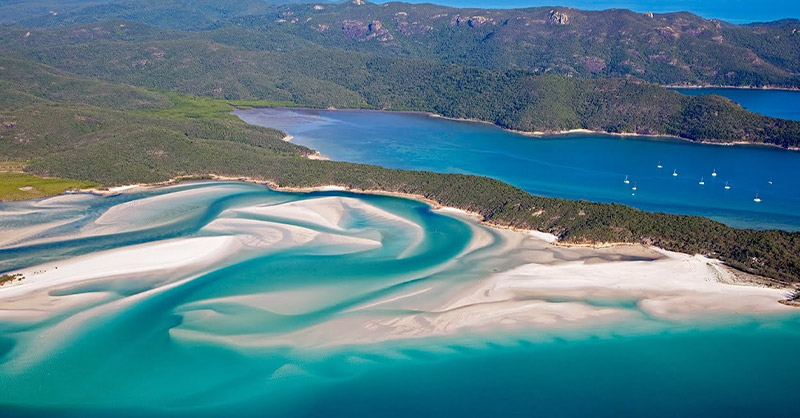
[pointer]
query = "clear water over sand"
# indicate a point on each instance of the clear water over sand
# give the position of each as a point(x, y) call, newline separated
point(214, 299)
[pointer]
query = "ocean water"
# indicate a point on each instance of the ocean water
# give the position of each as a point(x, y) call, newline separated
point(783, 104)
point(294, 312)
point(734, 11)
point(574, 166)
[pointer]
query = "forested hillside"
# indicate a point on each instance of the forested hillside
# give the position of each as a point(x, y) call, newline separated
point(673, 48)
point(207, 63)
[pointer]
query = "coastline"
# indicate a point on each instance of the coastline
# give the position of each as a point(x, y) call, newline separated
point(542, 134)
point(741, 277)
point(542, 286)
point(712, 86)
point(548, 133)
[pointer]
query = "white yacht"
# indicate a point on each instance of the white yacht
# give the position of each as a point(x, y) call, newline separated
point(727, 187)
point(757, 199)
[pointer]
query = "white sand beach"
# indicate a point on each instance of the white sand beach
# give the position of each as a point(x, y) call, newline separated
point(548, 287)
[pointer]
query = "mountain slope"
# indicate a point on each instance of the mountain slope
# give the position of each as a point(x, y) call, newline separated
point(672, 48)
point(206, 63)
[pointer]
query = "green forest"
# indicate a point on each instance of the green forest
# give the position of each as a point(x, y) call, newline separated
point(239, 62)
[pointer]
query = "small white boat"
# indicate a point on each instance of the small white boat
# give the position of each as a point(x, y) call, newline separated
point(675, 173)
point(701, 182)
point(659, 165)
point(726, 186)
point(626, 181)
point(757, 199)
point(770, 181)
point(714, 173)
point(634, 187)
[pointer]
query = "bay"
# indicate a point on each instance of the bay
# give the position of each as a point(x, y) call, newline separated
point(783, 104)
point(573, 166)
point(282, 324)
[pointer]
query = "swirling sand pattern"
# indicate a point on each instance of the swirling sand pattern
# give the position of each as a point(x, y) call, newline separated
point(194, 297)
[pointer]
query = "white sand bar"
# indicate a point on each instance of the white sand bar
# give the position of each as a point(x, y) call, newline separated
point(548, 287)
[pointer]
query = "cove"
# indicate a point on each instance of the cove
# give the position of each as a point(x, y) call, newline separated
point(782, 104)
point(573, 166)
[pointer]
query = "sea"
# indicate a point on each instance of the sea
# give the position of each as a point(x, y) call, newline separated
point(651, 173)
point(273, 329)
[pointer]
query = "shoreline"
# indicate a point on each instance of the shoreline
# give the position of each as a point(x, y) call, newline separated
point(542, 134)
point(742, 277)
point(542, 287)
point(712, 86)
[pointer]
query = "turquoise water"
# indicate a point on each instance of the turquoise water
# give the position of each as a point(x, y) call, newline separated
point(734, 11)
point(782, 104)
point(575, 166)
point(276, 327)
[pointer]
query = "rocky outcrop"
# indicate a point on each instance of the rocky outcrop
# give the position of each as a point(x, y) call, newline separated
point(471, 21)
point(407, 28)
point(477, 21)
point(558, 18)
point(668, 33)
point(594, 64)
point(356, 29)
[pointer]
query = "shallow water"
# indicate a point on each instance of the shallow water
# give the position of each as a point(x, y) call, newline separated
point(575, 166)
point(293, 317)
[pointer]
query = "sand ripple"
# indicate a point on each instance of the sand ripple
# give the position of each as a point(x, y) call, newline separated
point(241, 268)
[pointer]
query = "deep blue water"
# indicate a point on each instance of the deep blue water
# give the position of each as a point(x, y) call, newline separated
point(776, 103)
point(575, 166)
point(734, 11)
